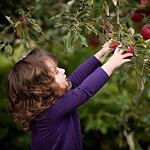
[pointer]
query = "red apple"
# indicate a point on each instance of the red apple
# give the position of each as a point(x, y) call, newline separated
point(145, 2)
point(145, 31)
point(137, 16)
point(94, 40)
point(130, 50)
point(114, 44)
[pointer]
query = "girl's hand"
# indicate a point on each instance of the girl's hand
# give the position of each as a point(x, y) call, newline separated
point(106, 48)
point(104, 52)
point(116, 60)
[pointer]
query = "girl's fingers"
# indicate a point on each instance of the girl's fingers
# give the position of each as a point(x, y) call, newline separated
point(110, 41)
point(107, 44)
point(126, 60)
point(117, 49)
point(121, 52)
point(127, 55)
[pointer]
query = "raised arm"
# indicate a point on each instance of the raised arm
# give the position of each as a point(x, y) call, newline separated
point(89, 87)
point(86, 68)
point(79, 95)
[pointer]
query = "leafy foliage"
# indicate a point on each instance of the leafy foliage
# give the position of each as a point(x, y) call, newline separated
point(121, 109)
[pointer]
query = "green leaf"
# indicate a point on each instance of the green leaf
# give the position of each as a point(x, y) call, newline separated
point(114, 2)
point(97, 7)
point(67, 40)
point(106, 9)
point(70, 3)
point(83, 40)
point(36, 27)
point(2, 45)
point(141, 43)
point(19, 29)
point(8, 50)
point(91, 28)
point(5, 30)
point(9, 19)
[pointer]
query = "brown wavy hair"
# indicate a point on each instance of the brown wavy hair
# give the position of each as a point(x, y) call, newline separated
point(32, 87)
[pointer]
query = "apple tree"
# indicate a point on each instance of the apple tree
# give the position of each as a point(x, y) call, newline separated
point(126, 23)
point(118, 116)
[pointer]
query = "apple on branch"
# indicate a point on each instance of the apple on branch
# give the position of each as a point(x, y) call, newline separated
point(145, 2)
point(129, 50)
point(114, 45)
point(137, 16)
point(145, 31)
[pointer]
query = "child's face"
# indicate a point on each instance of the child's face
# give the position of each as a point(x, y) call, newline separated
point(59, 75)
point(60, 78)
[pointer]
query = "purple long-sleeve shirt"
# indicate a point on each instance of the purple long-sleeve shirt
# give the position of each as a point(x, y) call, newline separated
point(59, 126)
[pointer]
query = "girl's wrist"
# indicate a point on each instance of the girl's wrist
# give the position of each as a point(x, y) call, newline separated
point(108, 68)
point(99, 55)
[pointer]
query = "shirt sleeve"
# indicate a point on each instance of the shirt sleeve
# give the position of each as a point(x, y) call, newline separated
point(83, 71)
point(79, 95)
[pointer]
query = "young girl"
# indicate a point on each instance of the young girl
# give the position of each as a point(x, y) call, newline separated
point(44, 101)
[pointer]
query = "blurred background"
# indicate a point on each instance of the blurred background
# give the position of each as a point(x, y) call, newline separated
point(118, 117)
